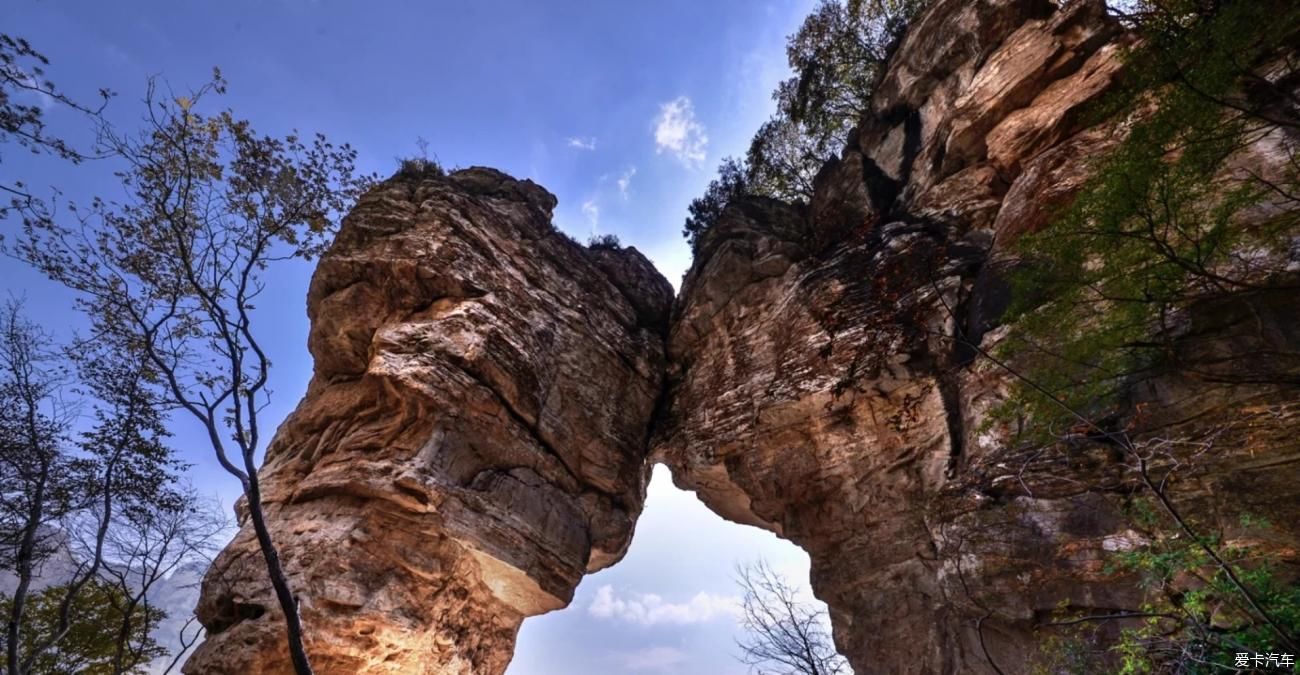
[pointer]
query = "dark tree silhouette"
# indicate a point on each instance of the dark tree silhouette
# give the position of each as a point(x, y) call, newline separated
point(61, 488)
point(24, 93)
point(786, 634)
point(177, 266)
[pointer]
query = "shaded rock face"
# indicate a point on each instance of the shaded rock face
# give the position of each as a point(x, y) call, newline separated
point(816, 390)
point(473, 440)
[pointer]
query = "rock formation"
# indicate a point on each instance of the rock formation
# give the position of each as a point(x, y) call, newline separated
point(472, 442)
point(488, 394)
point(826, 378)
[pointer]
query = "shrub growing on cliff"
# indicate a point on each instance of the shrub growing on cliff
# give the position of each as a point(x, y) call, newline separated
point(1158, 230)
point(1169, 234)
point(420, 166)
point(417, 168)
point(1180, 629)
point(784, 158)
point(604, 242)
point(837, 55)
point(731, 183)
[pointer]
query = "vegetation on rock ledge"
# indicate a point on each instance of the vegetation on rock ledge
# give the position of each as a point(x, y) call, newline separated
point(1171, 237)
point(837, 55)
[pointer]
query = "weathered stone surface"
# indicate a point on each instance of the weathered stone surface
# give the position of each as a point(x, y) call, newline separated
point(475, 437)
point(472, 442)
point(828, 401)
point(794, 413)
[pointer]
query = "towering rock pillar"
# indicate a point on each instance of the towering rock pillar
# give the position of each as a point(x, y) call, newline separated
point(472, 442)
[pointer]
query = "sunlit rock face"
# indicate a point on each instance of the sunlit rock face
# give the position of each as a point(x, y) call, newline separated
point(473, 440)
point(815, 390)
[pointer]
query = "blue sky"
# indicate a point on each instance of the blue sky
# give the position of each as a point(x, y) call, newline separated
point(622, 109)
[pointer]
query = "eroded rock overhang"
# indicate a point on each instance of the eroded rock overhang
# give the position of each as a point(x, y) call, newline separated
point(472, 442)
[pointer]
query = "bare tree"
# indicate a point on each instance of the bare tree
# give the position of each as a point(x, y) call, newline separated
point(187, 636)
point(787, 635)
point(146, 547)
point(177, 267)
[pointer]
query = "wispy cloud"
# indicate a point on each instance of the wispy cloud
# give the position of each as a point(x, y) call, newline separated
point(591, 210)
point(625, 181)
point(651, 658)
point(679, 133)
point(582, 142)
point(648, 609)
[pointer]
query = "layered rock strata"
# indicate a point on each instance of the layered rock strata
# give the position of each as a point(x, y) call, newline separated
point(829, 378)
point(472, 442)
point(487, 394)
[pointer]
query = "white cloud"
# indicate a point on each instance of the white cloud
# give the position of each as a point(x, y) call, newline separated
point(582, 142)
point(592, 211)
point(677, 132)
point(625, 181)
point(649, 609)
point(652, 658)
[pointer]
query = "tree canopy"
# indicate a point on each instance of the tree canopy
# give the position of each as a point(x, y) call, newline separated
point(836, 55)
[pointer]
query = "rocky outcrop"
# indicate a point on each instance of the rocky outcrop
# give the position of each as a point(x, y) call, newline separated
point(473, 440)
point(488, 394)
point(833, 389)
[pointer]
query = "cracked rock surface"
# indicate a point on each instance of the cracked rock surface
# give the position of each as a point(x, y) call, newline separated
point(488, 394)
point(825, 381)
point(473, 440)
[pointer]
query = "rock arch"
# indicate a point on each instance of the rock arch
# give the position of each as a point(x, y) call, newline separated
point(488, 393)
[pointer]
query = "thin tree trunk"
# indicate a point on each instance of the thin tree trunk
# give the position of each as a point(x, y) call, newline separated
point(26, 553)
point(26, 550)
point(288, 603)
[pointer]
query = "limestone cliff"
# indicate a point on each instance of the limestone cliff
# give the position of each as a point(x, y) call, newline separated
point(488, 394)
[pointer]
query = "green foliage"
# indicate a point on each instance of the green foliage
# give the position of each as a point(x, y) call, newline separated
point(604, 242)
point(91, 646)
point(1166, 227)
point(837, 55)
point(1070, 653)
point(1159, 226)
point(1202, 620)
point(1194, 620)
point(731, 183)
point(784, 158)
point(418, 168)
